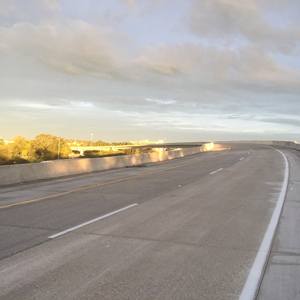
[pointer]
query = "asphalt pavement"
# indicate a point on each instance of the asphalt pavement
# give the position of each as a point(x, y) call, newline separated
point(189, 228)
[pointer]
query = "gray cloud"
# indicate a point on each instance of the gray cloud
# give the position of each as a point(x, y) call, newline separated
point(281, 121)
point(142, 8)
point(220, 80)
point(51, 4)
point(171, 59)
point(7, 7)
point(240, 68)
point(81, 49)
point(232, 19)
point(75, 47)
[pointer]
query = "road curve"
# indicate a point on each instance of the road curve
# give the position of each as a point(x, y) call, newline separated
point(188, 228)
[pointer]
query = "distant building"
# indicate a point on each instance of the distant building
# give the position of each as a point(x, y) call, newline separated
point(8, 142)
point(74, 143)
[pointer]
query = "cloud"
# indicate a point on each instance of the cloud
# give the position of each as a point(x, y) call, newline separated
point(7, 7)
point(75, 47)
point(254, 64)
point(142, 8)
point(223, 17)
point(51, 4)
point(231, 20)
point(220, 71)
point(34, 106)
point(162, 102)
point(171, 59)
point(281, 121)
point(82, 104)
point(83, 49)
point(132, 4)
point(244, 68)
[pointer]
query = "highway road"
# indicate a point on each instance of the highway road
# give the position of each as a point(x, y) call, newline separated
point(190, 228)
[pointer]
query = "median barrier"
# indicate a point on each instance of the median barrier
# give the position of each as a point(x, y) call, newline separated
point(287, 144)
point(14, 174)
point(292, 145)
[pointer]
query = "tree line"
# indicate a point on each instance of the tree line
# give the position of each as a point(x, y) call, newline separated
point(45, 147)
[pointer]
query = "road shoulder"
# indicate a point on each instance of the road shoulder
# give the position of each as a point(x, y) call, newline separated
point(281, 279)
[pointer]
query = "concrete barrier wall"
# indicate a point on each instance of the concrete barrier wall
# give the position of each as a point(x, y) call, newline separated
point(13, 174)
point(287, 144)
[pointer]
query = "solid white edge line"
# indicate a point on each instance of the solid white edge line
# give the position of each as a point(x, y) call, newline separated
point(216, 171)
point(251, 286)
point(91, 221)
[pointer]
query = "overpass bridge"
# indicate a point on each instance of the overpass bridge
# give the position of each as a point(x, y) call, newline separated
point(82, 149)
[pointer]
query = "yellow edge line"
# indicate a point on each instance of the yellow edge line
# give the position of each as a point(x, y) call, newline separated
point(110, 182)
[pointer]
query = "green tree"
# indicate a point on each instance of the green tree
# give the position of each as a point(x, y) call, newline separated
point(44, 146)
point(64, 148)
point(5, 154)
point(48, 146)
point(100, 143)
point(20, 147)
point(132, 151)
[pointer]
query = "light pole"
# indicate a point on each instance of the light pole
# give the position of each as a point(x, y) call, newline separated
point(91, 139)
point(58, 148)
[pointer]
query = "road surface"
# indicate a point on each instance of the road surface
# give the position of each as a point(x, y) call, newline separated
point(189, 228)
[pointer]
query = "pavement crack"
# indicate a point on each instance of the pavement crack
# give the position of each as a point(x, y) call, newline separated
point(28, 227)
point(169, 242)
point(286, 253)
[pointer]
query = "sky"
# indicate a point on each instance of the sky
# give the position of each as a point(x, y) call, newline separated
point(124, 70)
